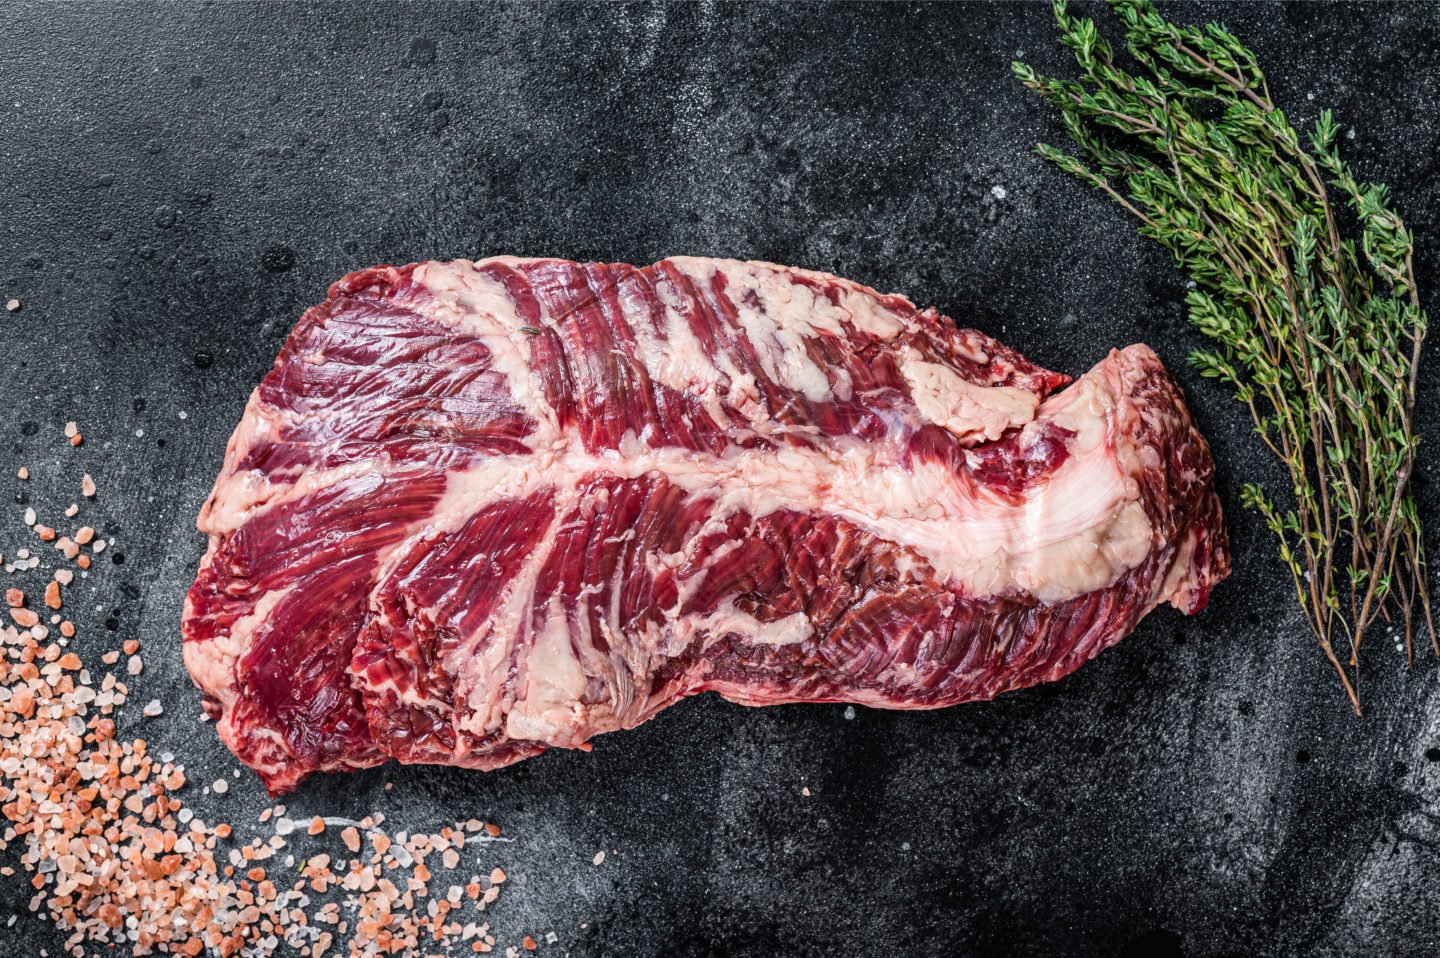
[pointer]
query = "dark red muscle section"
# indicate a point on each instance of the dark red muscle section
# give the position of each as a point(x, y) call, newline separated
point(438, 593)
point(317, 561)
point(480, 510)
point(438, 400)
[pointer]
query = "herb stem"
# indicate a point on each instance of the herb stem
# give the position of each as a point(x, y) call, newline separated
point(1315, 319)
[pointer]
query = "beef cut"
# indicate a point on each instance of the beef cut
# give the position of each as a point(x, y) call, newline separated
point(479, 510)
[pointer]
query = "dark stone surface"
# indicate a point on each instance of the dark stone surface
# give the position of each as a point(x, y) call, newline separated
point(179, 182)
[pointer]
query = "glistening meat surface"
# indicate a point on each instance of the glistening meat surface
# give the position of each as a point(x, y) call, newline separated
point(478, 510)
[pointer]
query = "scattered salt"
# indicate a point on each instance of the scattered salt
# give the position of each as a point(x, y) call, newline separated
point(204, 907)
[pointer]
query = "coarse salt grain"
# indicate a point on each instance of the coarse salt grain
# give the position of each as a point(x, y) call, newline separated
point(120, 839)
point(12, 305)
point(599, 857)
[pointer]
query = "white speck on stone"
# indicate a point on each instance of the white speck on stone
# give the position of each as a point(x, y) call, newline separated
point(805, 791)
point(184, 414)
point(599, 856)
point(139, 434)
point(849, 712)
point(998, 191)
point(904, 846)
point(220, 787)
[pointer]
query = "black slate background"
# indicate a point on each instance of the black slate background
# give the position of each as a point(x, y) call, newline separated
point(180, 180)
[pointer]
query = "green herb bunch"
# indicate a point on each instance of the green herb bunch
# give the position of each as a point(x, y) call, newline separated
point(1317, 330)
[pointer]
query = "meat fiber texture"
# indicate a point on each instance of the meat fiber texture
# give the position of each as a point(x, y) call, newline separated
point(482, 509)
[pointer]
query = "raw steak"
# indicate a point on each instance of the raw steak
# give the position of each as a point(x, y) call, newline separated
point(479, 510)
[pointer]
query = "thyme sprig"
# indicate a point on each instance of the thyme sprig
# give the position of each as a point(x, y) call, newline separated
point(1319, 334)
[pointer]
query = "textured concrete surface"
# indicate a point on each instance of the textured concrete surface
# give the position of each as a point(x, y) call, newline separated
point(180, 181)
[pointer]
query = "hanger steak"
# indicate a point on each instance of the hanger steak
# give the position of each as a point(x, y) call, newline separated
point(479, 510)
